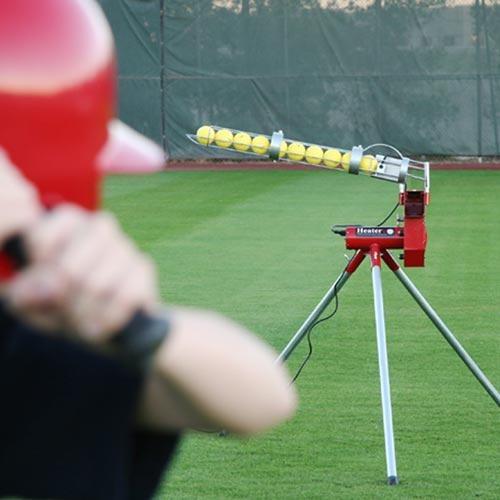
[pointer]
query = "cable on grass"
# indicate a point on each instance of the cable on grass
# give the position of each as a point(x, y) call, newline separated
point(317, 322)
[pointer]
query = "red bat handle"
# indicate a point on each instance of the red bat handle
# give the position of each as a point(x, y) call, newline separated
point(136, 342)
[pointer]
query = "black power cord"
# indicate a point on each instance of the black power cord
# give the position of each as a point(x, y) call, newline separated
point(389, 215)
point(335, 309)
point(317, 322)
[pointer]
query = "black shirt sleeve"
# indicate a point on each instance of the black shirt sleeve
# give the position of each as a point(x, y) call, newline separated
point(67, 422)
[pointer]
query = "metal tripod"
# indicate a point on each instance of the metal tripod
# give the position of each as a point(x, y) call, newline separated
point(377, 255)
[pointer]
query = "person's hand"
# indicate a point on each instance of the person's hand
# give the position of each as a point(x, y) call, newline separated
point(85, 277)
point(19, 205)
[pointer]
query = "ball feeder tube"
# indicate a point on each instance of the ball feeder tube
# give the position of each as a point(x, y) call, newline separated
point(393, 167)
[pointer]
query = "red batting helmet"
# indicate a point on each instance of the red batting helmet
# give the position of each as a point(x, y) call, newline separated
point(57, 100)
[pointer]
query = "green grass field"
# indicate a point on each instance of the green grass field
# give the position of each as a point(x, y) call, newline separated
point(257, 246)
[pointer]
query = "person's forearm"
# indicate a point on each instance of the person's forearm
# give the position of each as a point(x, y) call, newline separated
point(228, 377)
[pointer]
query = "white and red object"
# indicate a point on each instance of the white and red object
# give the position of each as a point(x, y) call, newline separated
point(58, 102)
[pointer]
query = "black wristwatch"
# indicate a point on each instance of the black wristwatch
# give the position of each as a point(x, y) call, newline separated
point(136, 344)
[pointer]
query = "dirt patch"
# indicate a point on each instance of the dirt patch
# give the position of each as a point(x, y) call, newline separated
point(282, 165)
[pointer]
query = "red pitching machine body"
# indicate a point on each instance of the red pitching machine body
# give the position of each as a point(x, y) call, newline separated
point(411, 237)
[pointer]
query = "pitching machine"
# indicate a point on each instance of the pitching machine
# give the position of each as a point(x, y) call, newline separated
point(374, 243)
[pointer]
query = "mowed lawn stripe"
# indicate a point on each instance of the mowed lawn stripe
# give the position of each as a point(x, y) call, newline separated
point(265, 255)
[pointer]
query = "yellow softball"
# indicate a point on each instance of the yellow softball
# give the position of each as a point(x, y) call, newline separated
point(242, 141)
point(223, 138)
point(260, 144)
point(346, 159)
point(205, 135)
point(283, 149)
point(368, 164)
point(314, 155)
point(332, 158)
point(296, 151)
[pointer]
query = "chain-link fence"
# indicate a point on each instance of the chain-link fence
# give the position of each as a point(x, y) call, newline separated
point(423, 75)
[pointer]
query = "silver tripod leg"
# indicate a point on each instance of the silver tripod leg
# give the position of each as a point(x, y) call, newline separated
point(450, 338)
point(385, 389)
point(316, 313)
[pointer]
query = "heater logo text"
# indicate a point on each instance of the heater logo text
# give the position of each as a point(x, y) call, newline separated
point(375, 231)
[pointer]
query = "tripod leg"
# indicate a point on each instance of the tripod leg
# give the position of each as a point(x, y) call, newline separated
point(385, 389)
point(352, 265)
point(441, 326)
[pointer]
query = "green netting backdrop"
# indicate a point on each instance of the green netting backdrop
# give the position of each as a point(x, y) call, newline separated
point(423, 75)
